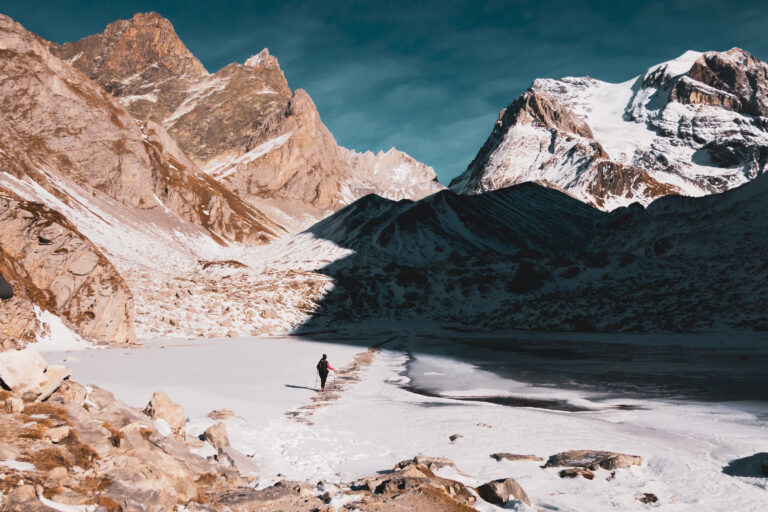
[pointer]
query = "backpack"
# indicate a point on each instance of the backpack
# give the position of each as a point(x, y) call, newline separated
point(322, 365)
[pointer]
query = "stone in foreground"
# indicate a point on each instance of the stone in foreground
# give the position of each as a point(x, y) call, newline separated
point(501, 491)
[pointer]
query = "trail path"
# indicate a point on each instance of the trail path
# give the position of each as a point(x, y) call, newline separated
point(336, 385)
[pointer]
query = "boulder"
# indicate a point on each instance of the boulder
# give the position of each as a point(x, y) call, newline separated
point(162, 407)
point(221, 414)
point(22, 370)
point(101, 398)
point(229, 456)
point(55, 435)
point(513, 457)
point(58, 473)
point(501, 491)
point(13, 405)
point(216, 435)
point(592, 459)
point(69, 391)
point(576, 472)
point(54, 377)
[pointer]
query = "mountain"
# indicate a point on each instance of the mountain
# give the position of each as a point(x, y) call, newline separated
point(532, 258)
point(112, 181)
point(241, 124)
point(692, 126)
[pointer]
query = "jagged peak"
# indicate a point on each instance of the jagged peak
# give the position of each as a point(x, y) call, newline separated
point(130, 46)
point(263, 59)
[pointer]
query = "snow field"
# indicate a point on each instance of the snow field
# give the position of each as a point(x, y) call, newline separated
point(377, 423)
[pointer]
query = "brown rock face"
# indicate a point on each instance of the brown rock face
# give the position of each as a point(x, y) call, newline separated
point(241, 124)
point(734, 80)
point(65, 128)
point(56, 268)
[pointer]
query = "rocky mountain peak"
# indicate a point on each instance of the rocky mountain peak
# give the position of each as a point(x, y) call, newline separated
point(694, 125)
point(739, 80)
point(263, 59)
point(146, 45)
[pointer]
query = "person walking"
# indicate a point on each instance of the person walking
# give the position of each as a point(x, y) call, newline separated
point(322, 368)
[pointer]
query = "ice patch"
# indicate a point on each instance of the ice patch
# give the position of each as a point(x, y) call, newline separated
point(17, 465)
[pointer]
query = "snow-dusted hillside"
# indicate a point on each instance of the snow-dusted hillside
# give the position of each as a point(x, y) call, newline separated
point(692, 126)
point(529, 257)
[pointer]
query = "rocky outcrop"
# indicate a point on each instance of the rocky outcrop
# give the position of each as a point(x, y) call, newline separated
point(592, 460)
point(659, 134)
point(734, 80)
point(241, 124)
point(57, 269)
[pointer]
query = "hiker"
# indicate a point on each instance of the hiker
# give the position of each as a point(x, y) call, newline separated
point(6, 292)
point(322, 369)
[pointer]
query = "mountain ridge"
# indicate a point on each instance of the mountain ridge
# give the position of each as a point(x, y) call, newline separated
point(689, 126)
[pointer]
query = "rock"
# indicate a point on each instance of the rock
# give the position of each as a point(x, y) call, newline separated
point(216, 435)
point(69, 391)
point(58, 473)
point(55, 435)
point(232, 334)
point(432, 463)
point(513, 457)
point(14, 405)
point(161, 407)
point(592, 460)
point(648, 497)
point(575, 472)
point(101, 398)
point(131, 437)
point(236, 459)
point(22, 370)
point(23, 499)
point(54, 377)
point(499, 492)
point(221, 414)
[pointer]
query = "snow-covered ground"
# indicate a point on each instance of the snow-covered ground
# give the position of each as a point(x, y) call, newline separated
point(378, 421)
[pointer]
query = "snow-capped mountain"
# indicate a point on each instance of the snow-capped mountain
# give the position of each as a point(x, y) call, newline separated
point(242, 124)
point(692, 126)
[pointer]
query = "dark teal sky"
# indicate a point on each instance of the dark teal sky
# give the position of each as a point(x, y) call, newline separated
point(426, 77)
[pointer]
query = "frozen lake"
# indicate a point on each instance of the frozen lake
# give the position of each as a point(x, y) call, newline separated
point(526, 394)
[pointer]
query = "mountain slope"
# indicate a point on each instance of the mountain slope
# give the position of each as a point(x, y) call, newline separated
point(691, 126)
point(113, 181)
point(242, 124)
point(529, 257)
